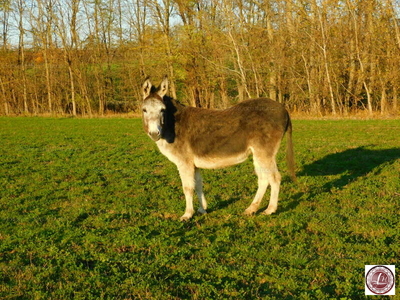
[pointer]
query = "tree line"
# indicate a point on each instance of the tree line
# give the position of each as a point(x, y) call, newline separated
point(86, 57)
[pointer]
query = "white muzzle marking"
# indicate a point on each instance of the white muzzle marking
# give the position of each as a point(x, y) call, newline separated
point(154, 131)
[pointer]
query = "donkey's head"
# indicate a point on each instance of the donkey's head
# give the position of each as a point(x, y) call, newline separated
point(154, 108)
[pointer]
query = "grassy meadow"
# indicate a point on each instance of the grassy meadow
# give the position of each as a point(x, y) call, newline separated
point(89, 209)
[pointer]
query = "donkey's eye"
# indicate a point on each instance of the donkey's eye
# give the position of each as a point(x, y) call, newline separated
point(144, 110)
point(163, 110)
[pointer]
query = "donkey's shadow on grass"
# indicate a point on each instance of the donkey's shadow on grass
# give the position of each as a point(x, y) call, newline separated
point(350, 164)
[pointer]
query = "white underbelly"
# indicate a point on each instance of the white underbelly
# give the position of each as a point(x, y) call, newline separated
point(219, 162)
point(202, 162)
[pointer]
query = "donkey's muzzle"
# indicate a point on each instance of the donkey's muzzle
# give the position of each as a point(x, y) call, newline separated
point(155, 136)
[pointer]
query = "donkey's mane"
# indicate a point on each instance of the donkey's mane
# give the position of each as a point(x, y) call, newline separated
point(173, 107)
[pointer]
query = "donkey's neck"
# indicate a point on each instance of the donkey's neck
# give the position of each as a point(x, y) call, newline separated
point(173, 108)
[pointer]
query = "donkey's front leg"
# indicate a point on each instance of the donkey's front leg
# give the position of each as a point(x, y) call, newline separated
point(186, 172)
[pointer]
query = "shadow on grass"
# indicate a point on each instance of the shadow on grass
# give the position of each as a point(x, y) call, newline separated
point(351, 164)
point(219, 204)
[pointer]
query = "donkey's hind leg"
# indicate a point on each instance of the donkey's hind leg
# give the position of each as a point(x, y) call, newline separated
point(261, 171)
point(199, 192)
point(274, 178)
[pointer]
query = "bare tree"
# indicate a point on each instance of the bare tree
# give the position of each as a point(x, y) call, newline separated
point(41, 20)
point(21, 55)
point(361, 55)
point(324, 48)
point(162, 10)
point(66, 25)
point(5, 6)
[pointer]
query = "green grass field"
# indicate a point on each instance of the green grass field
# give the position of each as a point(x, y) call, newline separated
point(90, 209)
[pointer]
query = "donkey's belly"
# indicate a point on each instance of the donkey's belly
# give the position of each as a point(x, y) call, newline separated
point(215, 162)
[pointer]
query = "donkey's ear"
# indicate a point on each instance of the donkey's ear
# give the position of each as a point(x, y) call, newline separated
point(163, 88)
point(146, 88)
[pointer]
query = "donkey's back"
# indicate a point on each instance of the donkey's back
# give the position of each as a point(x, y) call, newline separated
point(223, 133)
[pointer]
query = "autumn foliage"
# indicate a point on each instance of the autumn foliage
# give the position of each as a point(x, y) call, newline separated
point(90, 57)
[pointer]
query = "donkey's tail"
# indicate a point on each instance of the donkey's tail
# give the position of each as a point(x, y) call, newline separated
point(289, 150)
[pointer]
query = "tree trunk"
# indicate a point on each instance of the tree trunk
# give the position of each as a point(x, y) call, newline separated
point(21, 57)
point(72, 85)
point(324, 47)
point(359, 58)
point(4, 96)
point(242, 87)
point(395, 98)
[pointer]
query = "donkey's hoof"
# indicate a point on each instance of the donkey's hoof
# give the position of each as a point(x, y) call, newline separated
point(249, 211)
point(186, 217)
point(269, 211)
point(202, 211)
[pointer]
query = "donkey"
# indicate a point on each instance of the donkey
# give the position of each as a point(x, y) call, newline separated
point(196, 138)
